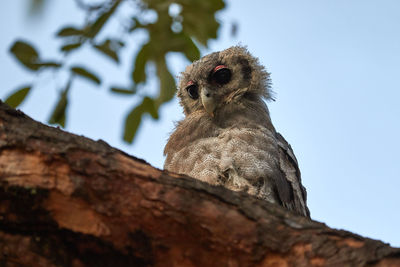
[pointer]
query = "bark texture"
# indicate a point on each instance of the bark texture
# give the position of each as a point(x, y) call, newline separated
point(66, 200)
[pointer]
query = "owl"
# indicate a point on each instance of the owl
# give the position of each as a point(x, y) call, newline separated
point(227, 137)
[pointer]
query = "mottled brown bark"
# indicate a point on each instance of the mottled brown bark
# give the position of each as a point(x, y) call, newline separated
point(66, 200)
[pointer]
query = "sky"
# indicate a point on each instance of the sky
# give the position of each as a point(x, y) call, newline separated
point(335, 68)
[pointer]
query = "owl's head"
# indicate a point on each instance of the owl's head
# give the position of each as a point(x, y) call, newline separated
point(223, 78)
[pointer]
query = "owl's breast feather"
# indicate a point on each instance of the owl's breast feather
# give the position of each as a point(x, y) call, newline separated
point(249, 152)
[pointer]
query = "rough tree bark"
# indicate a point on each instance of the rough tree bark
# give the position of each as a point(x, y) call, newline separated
point(66, 200)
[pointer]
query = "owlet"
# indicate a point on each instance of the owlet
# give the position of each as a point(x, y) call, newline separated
point(227, 137)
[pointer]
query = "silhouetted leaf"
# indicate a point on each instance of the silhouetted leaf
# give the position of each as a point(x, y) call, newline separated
point(26, 54)
point(181, 42)
point(86, 74)
point(190, 49)
point(58, 115)
point(150, 107)
point(234, 29)
point(142, 57)
point(120, 43)
point(123, 91)
point(49, 64)
point(108, 49)
point(69, 31)
point(69, 47)
point(36, 7)
point(132, 123)
point(95, 28)
point(29, 57)
point(134, 118)
point(16, 98)
point(167, 82)
point(204, 11)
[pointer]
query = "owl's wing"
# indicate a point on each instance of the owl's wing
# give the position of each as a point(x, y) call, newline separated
point(297, 200)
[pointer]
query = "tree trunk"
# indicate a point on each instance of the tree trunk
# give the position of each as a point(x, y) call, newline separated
point(66, 200)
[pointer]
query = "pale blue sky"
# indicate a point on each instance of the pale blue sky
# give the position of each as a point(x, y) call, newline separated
point(335, 68)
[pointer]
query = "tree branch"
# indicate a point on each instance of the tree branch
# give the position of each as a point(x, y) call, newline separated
point(66, 200)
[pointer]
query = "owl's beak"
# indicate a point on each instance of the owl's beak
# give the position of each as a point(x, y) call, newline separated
point(208, 101)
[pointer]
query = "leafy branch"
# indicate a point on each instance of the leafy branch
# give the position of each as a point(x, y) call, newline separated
point(191, 25)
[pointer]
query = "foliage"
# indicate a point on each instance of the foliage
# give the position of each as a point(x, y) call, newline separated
point(191, 25)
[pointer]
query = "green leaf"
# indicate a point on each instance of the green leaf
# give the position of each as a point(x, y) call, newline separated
point(26, 54)
point(58, 115)
point(190, 49)
point(182, 43)
point(150, 107)
point(167, 83)
point(134, 118)
point(132, 123)
point(86, 74)
point(108, 49)
point(49, 64)
point(36, 7)
point(29, 57)
point(16, 98)
point(69, 47)
point(69, 31)
point(142, 57)
point(204, 11)
point(94, 29)
point(123, 91)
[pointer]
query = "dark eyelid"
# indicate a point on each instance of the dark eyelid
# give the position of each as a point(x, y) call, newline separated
point(218, 67)
point(220, 75)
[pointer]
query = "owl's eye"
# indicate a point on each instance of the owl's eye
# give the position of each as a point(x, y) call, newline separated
point(192, 90)
point(221, 74)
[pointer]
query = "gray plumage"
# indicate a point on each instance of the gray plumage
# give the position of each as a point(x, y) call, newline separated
point(227, 137)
